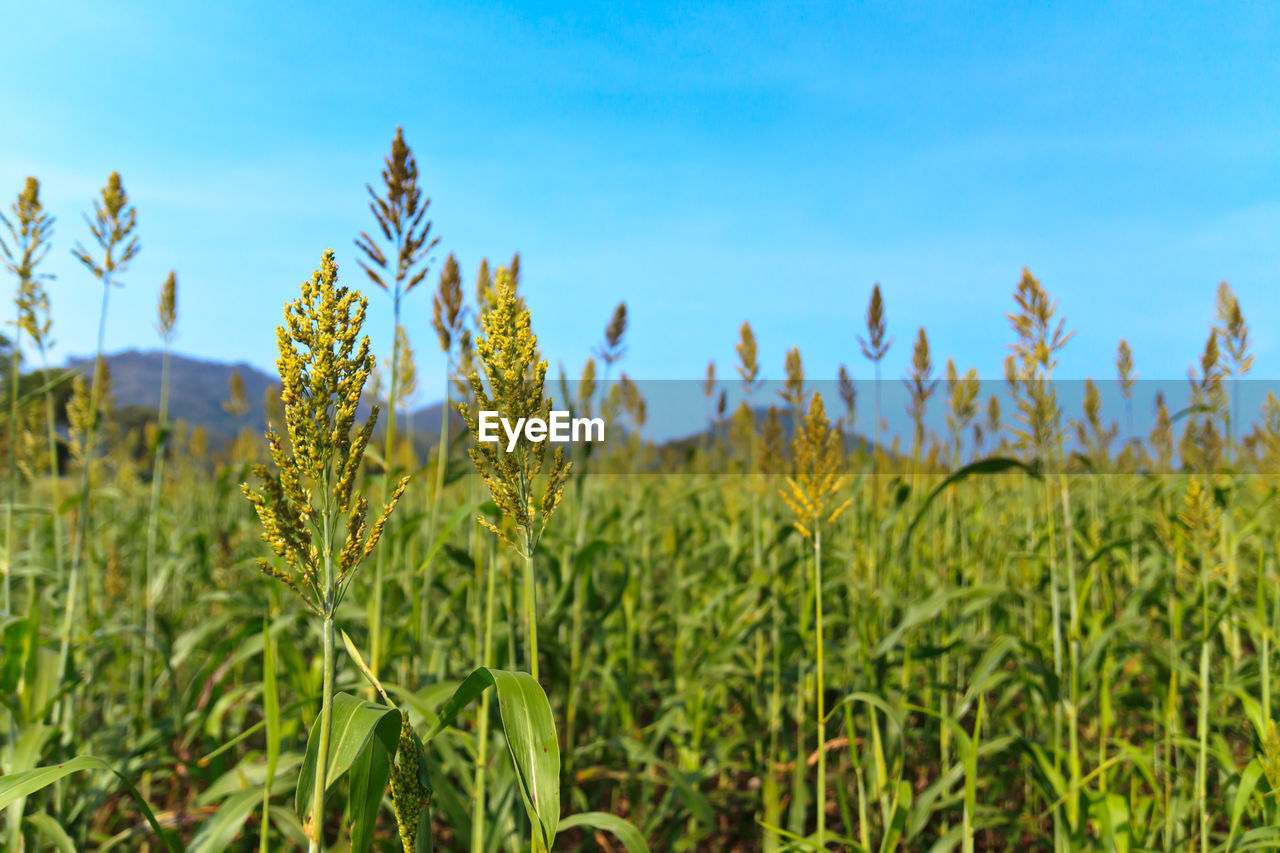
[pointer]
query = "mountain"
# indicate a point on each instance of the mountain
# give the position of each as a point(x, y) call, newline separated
point(198, 389)
point(688, 443)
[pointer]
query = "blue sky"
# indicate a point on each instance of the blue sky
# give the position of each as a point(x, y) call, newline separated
point(708, 164)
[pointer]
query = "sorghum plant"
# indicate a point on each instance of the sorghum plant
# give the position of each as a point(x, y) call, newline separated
point(312, 516)
point(513, 384)
point(811, 494)
point(401, 216)
point(29, 232)
point(112, 225)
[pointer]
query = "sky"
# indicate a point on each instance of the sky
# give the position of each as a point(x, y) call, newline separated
point(708, 164)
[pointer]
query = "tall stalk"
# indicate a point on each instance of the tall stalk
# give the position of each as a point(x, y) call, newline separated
point(1202, 520)
point(1029, 370)
point(323, 374)
point(513, 385)
point(448, 318)
point(112, 226)
point(51, 439)
point(530, 606)
point(325, 722)
point(167, 318)
point(401, 216)
point(29, 232)
point(874, 347)
point(811, 494)
point(6, 601)
point(820, 711)
point(442, 459)
point(1073, 649)
point(482, 722)
point(582, 510)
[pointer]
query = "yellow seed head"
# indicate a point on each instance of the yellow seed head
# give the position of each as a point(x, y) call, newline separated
point(793, 387)
point(772, 446)
point(818, 451)
point(237, 403)
point(612, 350)
point(27, 245)
point(1233, 330)
point(1124, 368)
point(446, 306)
point(1271, 754)
point(748, 364)
point(112, 226)
point(168, 308)
point(848, 393)
point(410, 790)
point(323, 364)
point(876, 344)
point(587, 387)
point(407, 375)
point(512, 384)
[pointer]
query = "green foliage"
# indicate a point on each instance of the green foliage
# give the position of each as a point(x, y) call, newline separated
point(1022, 649)
point(14, 786)
point(531, 740)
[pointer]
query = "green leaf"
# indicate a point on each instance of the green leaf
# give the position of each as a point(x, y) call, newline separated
point(623, 830)
point(993, 465)
point(1197, 409)
point(22, 754)
point(810, 842)
point(531, 739)
point(1248, 781)
point(17, 785)
point(355, 723)
point(1112, 813)
point(52, 831)
point(686, 783)
point(897, 823)
point(926, 611)
point(369, 779)
point(219, 831)
point(454, 520)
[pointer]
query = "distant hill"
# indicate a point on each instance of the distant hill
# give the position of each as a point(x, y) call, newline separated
point(198, 389)
point(688, 443)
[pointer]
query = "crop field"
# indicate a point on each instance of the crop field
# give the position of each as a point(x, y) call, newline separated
point(1021, 622)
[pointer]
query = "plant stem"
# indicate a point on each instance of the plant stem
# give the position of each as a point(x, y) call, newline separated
point(1202, 713)
point(531, 622)
point(773, 804)
point(52, 438)
point(12, 474)
point(482, 724)
point(322, 751)
point(1073, 645)
point(375, 604)
point(82, 512)
point(820, 711)
point(1265, 656)
point(441, 466)
point(530, 606)
point(442, 451)
point(157, 477)
point(271, 707)
point(328, 606)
